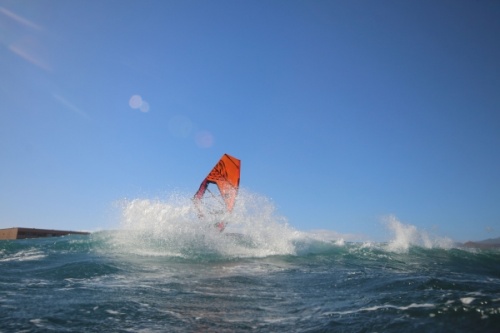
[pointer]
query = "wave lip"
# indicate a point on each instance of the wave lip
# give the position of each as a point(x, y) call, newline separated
point(407, 235)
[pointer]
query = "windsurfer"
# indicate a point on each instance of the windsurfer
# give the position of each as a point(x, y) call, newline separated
point(226, 175)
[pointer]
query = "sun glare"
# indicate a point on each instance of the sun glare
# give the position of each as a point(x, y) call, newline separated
point(136, 102)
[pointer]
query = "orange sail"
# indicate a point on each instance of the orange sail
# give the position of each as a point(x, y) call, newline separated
point(226, 175)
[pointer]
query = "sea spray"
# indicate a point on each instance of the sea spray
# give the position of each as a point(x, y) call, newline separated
point(171, 227)
point(407, 235)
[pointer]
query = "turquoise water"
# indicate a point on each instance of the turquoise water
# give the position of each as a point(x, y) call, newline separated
point(166, 277)
point(86, 283)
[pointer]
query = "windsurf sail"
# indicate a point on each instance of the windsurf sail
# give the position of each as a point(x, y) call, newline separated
point(226, 176)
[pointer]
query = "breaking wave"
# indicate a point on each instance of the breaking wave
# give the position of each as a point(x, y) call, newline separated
point(171, 227)
point(407, 235)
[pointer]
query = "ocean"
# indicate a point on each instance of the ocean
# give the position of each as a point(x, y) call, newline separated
point(164, 271)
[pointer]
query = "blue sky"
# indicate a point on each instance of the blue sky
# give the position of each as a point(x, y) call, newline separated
point(342, 112)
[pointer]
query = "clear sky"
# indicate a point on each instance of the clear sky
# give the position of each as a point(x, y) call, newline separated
point(342, 112)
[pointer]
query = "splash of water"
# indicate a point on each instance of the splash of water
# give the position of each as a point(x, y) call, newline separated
point(171, 227)
point(407, 235)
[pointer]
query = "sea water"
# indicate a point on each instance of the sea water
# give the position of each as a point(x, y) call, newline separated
point(165, 271)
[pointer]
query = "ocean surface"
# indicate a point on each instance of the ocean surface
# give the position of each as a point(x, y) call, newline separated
point(164, 271)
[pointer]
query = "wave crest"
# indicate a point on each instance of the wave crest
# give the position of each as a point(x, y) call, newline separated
point(171, 227)
point(407, 235)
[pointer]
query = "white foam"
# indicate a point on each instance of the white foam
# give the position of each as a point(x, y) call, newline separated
point(171, 227)
point(467, 300)
point(406, 235)
point(113, 312)
point(382, 307)
point(38, 322)
point(27, 255)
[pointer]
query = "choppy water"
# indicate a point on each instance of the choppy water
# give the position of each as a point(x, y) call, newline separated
point(165, 272)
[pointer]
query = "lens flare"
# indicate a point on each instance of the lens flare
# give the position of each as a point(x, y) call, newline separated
point(204, 139)
point(135, 101)
point(144, 106)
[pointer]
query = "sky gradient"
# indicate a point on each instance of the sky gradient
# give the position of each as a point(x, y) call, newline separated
point(342, 112)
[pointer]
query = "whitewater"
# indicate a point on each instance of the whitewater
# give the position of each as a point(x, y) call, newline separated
point(162, 270)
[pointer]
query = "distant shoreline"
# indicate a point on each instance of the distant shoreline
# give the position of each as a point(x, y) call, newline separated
point(28, 233)
point(479, 245)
